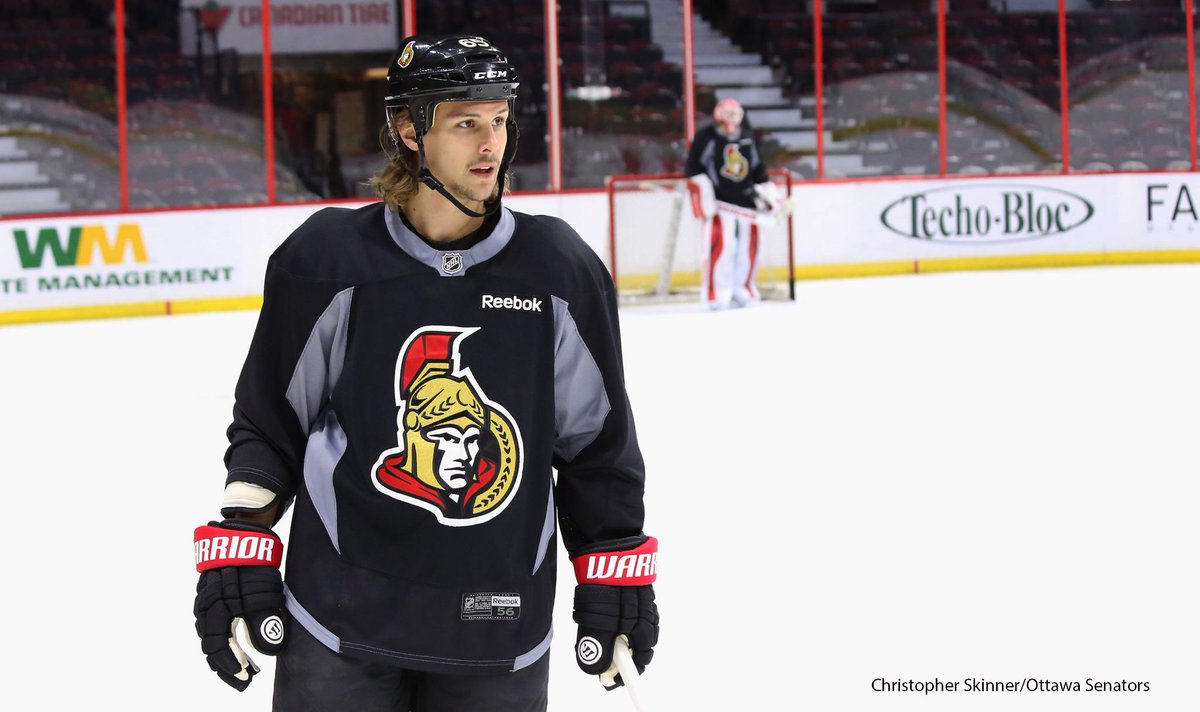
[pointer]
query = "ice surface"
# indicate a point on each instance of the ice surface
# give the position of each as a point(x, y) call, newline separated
point(989, 475)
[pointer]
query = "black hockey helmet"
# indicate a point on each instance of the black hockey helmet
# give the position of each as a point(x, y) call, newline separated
point(429, 70)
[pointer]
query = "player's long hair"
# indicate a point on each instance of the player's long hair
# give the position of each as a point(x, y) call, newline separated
point(395, 183)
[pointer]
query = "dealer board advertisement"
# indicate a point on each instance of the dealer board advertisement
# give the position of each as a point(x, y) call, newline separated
point(1078, 219)
point(145, 261)
point(199, 260)
point(297, 26)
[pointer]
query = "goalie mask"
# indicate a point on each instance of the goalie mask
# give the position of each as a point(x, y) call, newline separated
point(430, 70)
point(728, 115)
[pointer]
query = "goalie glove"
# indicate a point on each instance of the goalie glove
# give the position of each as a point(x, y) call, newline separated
point(239, 584)
point(769, 203)
point(767, 198)
point(615, 597)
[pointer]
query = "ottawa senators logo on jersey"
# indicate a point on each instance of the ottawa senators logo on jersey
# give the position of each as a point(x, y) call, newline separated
point(459, 454)
point(735, 166)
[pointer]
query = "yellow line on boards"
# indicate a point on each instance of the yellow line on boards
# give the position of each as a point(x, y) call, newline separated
point(636, 281)
point(953, 264)
point(130, 309)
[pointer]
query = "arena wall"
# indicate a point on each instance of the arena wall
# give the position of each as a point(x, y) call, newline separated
point(183, 261)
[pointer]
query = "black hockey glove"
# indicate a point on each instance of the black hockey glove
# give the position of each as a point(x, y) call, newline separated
point(239, 582)
point(615, 597)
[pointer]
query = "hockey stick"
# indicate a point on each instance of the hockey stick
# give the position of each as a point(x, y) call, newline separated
point(629, 673)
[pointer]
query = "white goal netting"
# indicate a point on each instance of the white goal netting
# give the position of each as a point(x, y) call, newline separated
point(656, 243)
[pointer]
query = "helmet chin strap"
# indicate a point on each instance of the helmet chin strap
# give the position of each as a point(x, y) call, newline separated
point(433, 183)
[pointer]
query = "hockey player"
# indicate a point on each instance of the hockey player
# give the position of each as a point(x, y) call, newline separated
point(732, 193)
point(420, 368)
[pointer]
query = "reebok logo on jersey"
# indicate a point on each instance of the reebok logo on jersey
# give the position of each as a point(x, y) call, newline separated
point(491, 606)
point(514, 303)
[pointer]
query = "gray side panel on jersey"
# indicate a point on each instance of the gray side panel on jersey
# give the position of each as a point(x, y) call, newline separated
point(547, 532)
point(305, 619)
point(710, 166)
point(325, 448)
point(320, 363)
point(580, 401)
point(535, 654)
point(481, 251)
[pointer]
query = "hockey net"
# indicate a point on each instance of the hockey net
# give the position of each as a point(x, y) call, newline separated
point(656, 242)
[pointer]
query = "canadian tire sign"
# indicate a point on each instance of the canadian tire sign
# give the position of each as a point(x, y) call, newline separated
point(986, 213)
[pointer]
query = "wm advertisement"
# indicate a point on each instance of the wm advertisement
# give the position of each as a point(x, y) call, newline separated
point(118, 260)
point(83, 266)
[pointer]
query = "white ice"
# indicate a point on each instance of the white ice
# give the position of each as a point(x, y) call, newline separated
point(987, 475)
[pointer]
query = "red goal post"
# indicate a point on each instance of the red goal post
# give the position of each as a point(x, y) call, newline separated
point(655, 240)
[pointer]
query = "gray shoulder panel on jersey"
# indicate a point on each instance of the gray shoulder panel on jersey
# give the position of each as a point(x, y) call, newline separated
point(305, 619)
point(320, 363)
point(444, 261)
point(324, 450)
point(580, 401)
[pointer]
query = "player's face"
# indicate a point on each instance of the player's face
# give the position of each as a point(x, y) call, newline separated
point(465, 146)
point(728, 118)
point(457, 449)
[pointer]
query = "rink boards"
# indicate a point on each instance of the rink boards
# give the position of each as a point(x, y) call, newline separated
point(176, 261)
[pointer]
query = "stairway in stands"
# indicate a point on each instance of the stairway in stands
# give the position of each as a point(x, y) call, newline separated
point(731, 72)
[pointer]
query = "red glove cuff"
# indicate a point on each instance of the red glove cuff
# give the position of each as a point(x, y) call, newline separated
point(217, 546)
point(631, 567)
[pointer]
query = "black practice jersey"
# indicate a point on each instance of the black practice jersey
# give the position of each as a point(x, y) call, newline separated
point(733, 165)
point(413, 403)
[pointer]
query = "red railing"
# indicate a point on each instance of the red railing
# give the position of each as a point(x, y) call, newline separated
point(555, 138)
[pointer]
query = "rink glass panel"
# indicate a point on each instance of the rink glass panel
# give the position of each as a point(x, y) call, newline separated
point(881, 91)
point(1128, 87)
point(1003, 91)
point(622, 92)
point(58, 109)
point(518, 30)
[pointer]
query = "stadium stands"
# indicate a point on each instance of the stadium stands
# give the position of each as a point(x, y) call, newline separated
point(195, 133)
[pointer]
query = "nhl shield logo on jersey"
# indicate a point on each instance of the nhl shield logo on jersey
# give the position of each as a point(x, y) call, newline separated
point(460, 455)
point(452, 263)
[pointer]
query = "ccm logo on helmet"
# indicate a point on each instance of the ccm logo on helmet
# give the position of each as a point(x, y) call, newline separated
point(491, 74)
point(514, 303)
